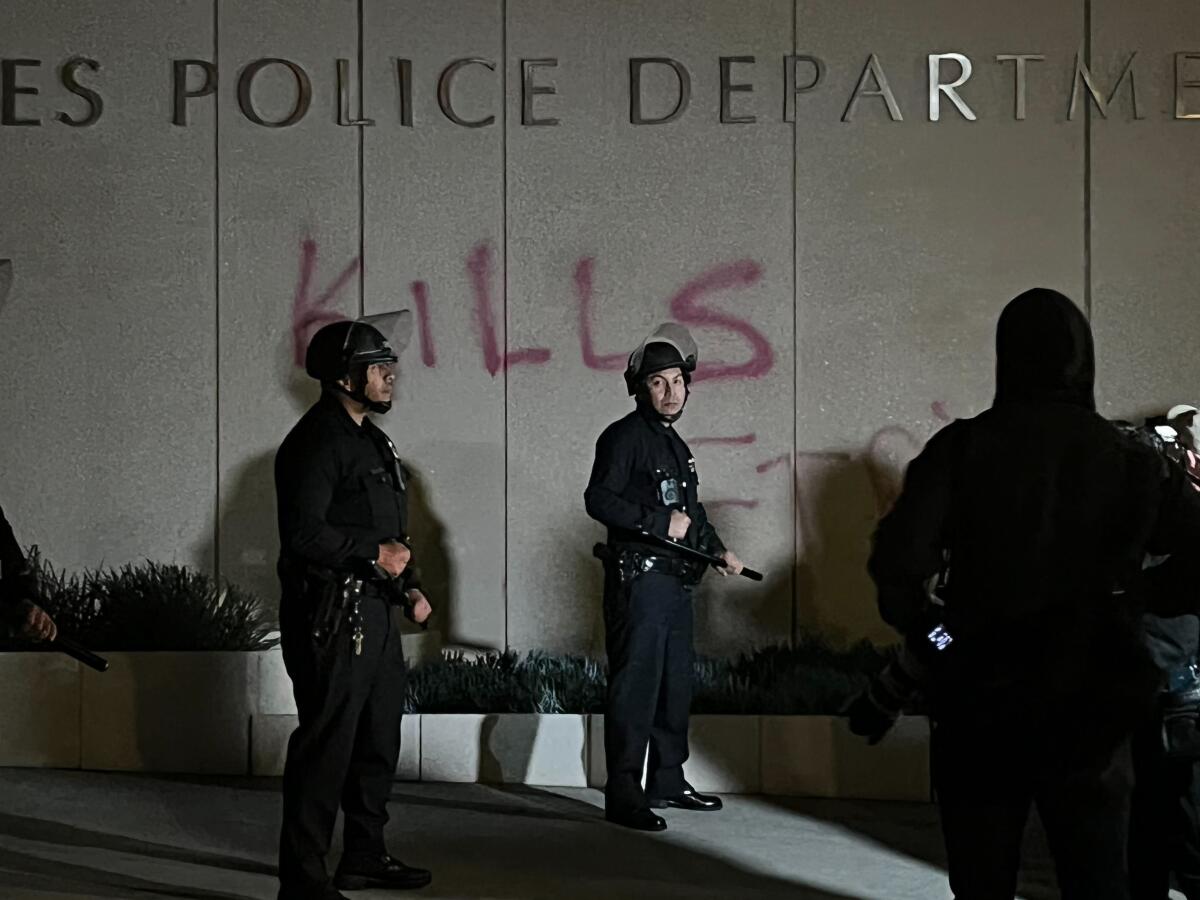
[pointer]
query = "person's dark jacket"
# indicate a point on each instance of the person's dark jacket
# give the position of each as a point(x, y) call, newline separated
point(1046, 512)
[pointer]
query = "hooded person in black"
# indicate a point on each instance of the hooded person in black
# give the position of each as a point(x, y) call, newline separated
point(1038, 515)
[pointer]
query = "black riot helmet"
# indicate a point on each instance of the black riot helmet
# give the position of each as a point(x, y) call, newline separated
point(345, 349)
point(669, 346)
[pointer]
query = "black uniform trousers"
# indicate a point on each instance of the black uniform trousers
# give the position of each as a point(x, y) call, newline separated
point(1164, 826)
point(987, 780)
point(648, 630)
point(347, 744)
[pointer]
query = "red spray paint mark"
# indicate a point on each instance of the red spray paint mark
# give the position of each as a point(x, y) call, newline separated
point(735, 439)
point(938, 408)
point(686, 307)
point(309, 314)
point(583, 291)
point(479, 267)
point(782, 460)
point(420, 293)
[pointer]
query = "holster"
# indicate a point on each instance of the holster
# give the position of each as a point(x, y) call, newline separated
point(336, 595)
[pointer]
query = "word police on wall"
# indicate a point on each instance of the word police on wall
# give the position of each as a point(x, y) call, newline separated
point(22, 81)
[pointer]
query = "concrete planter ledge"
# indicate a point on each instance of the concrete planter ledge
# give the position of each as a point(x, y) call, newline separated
point(232, 713)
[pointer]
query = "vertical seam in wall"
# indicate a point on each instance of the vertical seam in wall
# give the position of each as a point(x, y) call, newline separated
point(795, 600)
point(362, 193)
point(79, 719)
point(504, 265)
point(217, 299)
point(1087, 167)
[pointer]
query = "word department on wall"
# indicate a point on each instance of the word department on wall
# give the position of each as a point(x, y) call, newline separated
point(24, 89)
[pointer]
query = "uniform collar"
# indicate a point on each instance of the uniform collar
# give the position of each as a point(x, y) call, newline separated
point(332, 407)
point(650, 417)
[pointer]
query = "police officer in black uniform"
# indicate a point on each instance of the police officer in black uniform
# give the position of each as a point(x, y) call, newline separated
point(19, 615)
point(344, 559)
point(643, 483)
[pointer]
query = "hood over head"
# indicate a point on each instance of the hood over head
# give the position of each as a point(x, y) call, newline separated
point(1044, 351)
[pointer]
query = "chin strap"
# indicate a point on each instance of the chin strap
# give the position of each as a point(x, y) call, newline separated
point(375, 406)
point(643, 399)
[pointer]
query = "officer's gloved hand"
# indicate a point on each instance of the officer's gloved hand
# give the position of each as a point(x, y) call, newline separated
point(868, 719)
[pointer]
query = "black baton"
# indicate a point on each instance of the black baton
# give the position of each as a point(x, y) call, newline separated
point(81, 653)
point(697, 554)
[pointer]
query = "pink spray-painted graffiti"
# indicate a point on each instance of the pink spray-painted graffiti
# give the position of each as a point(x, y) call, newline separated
point(889, 452)
point(309, 313)
point(420, 293)
point(688, 306)
point(884, 457)
point(599, 362)
point(479, 265)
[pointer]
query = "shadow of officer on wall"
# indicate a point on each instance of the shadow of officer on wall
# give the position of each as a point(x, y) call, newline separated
point(1035, 518)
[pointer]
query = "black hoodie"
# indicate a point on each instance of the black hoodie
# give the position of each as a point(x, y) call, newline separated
point(1046, 511)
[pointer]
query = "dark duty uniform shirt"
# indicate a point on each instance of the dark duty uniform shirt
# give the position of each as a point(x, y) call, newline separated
point(643, 471)
point(341, 493)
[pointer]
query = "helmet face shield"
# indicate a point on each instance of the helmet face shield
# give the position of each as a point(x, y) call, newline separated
point(378, 339)
point(668, 333)
point(674, 336)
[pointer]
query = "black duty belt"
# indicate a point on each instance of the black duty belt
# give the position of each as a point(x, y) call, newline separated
point(630, 564)
point(667, 565)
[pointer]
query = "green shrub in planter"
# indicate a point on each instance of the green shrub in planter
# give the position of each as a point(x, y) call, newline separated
point(506, 683)
point(812, 677)
point(151, 606)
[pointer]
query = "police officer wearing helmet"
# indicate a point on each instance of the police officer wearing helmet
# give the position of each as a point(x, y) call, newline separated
point(644, 482)
point(344, 558)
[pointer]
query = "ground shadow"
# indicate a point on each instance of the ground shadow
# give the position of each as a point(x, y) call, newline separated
point(913, 829)
point(549, 845)
point(31, 829)
point(34, 872)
